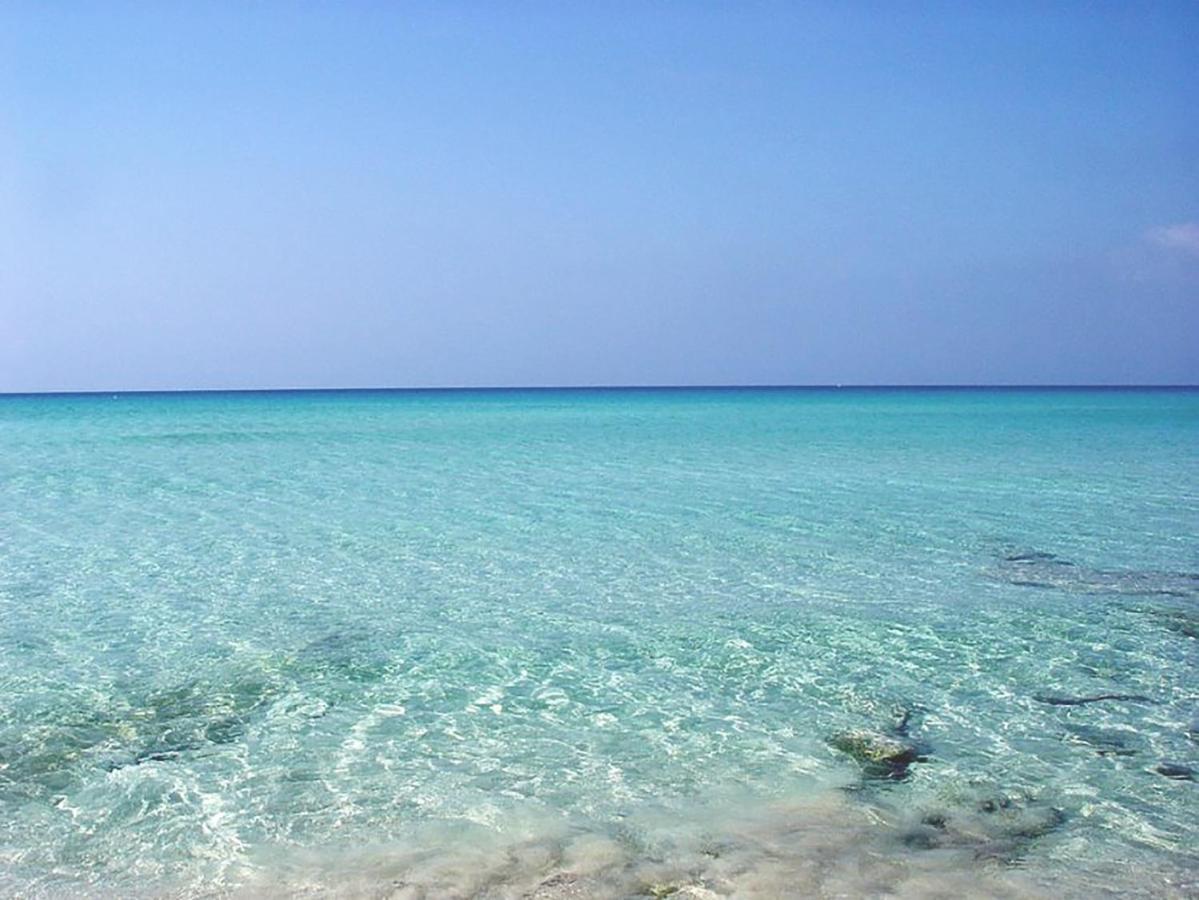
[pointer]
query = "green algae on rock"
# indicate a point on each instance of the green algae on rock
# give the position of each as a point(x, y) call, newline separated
point(878, 753)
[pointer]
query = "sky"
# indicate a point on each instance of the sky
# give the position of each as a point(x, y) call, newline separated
point(302, 194)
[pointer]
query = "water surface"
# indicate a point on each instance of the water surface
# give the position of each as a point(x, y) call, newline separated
point(594, 643)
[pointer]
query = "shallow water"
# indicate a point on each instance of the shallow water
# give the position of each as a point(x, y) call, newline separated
point(594, 643)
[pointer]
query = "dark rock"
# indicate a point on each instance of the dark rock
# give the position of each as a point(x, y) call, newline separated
point(903, 721)
point(935, 820)
point(1045, 570)
point(160, 755)
point(1079, 701)
point(351, 655)
point(563, 886)
point(1107, 742)
point(1177, 771)
point(1035, 823)
point(224, 731)
point(924, 837)
point(1180, 621)
point(1001, 850)
point(1034, 556)
point(991, 805)
point(1021, 817)
point(995, 827)
point(880, 755)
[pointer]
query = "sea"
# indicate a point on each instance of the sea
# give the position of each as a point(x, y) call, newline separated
point(569, 643)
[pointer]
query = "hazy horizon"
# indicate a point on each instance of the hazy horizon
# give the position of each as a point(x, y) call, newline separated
point(533, 388)
point(452, 196)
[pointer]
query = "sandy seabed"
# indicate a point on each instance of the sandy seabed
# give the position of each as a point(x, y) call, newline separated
point(833, 845)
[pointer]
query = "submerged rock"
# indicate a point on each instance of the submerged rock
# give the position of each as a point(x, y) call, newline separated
point(1039, 569)
point(998, 827)
point(879, 754)
point(563, 886)
point(1107, 742)
point(1054, 700)
point(1030, 821)
point(1177, 771)
point(677, 890)
point(903, 721)
point(1180, 621)
point(352, 655)
point(1034, 556)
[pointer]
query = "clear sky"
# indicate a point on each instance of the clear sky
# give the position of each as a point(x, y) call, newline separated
point(211, 195)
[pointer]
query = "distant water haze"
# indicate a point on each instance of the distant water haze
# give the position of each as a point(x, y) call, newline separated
point(273, 195)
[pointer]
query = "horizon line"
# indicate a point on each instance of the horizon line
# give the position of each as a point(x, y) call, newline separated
point(607, 387)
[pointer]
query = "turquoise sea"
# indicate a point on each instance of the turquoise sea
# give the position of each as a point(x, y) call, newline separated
point(600, 643)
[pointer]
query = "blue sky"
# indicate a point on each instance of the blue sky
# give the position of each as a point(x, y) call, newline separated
point(217, 195)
